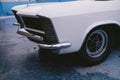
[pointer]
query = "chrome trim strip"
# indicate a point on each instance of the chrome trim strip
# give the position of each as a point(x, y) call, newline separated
point(34, 30)
point(38, 31)
point(16, 24)
point(23, 32)
point(55, 46)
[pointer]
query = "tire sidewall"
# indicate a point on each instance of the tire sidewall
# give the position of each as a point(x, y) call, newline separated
point(90, 60)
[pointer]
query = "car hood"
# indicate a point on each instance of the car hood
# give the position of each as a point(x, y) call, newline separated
point(59, 9)
point(35, 9)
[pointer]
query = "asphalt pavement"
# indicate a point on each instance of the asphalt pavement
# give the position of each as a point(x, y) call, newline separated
point(19, 60)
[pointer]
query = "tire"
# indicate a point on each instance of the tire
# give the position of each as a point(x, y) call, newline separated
point(96, 47)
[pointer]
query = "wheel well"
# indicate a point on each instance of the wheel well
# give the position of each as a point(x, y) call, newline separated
point(113, 31)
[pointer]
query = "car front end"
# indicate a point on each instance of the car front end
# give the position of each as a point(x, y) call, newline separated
point(39, 29)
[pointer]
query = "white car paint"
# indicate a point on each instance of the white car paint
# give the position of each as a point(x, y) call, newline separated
point(75, 19)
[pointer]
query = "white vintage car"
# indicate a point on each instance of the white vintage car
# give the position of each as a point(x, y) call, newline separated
point(86, 27)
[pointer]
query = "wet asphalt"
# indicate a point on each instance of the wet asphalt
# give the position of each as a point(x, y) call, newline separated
point(20, 60)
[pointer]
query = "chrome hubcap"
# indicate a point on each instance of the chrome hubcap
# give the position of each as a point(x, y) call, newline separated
point(97, 43)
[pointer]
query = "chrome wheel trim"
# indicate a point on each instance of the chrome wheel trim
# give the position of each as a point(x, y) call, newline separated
point(96, 43)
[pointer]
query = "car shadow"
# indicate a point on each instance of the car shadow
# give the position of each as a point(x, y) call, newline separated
point(71, 59)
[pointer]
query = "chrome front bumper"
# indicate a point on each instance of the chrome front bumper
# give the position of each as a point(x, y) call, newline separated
point(55, 46)
point(23, 32)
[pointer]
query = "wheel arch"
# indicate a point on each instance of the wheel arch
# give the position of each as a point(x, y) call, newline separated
point(103, 24)
point(111, 26)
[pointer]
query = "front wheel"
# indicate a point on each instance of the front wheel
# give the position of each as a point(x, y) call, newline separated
point(96, 47)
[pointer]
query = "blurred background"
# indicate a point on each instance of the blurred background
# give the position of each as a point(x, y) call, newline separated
point(6, 5)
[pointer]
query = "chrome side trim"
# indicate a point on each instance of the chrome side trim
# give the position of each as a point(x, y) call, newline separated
point(34, 30)
point(23, 32)
point(55, 46)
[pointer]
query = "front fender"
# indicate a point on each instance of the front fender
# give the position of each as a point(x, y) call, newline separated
point(76, 32)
